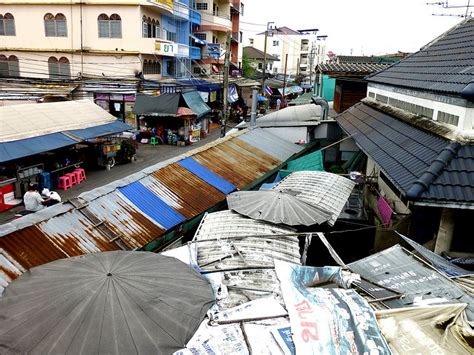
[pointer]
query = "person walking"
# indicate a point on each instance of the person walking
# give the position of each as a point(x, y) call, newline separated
point(278, 104)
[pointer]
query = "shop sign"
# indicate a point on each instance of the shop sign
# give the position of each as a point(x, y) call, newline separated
point(116, 97)
point(164, 3)
point(213, 96)
point(169, 49)
point(214, 50)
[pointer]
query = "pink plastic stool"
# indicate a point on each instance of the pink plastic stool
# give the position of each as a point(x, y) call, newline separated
point(82, 172)
point(64, 182)
point(73, 178)
point(78, 175)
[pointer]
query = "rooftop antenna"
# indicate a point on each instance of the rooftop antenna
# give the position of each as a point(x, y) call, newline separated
point(445, 5)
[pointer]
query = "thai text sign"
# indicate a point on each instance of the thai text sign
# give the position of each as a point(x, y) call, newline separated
point(168, 49)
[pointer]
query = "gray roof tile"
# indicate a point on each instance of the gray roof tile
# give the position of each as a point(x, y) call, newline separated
point(446, 65)
point(405, 153)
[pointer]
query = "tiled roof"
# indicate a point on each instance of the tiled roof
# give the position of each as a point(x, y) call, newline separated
point(347, 59)
point(350, 68)
point(423, 166)
point(445, 65)
point(254, 53)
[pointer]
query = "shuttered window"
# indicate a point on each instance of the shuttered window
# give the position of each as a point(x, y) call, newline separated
point(55, 26)
point(151, 28)
point(59, 69)
point(110, 27)
point(7, 25)
point(9, 66)
point(151, 67)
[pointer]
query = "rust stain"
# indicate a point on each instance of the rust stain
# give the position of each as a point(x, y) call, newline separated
point(10, 274)
point(237, 162)
point(195, 195)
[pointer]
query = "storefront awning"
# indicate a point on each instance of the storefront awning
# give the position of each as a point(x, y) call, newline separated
point(196, 103)
point(197, 40)
point(35, 145)
point(100, 131)
point(165, 105)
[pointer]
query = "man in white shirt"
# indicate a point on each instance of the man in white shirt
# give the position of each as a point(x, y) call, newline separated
point(32, 199)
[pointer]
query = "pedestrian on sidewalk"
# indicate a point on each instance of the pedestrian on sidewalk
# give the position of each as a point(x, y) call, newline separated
point(278, 104)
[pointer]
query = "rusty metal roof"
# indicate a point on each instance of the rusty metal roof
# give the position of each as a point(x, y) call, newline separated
point(105, 219)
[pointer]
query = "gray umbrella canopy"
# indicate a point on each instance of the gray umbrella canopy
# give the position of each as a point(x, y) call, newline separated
point(276, 206)
point(107, 303)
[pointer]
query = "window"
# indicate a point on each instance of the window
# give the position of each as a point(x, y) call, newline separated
point(110, 27)
point(276, 43)
point(59, 69)
point(201, 36)
point(242, 9)
point(55, 26)
point(241, 36)
point(151, 28)
point(171, 36)
point(251, 41)
point(260, 65)
point(170, 68)
point(9, 66)
point(151, 67)
point(201, 6)
point(275, 70)
point(7, 25)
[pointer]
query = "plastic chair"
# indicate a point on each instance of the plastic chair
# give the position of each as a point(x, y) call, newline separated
point(82, 174)
point(78, 176)
point(153, 141)
point(64, 182)
point(73, 178)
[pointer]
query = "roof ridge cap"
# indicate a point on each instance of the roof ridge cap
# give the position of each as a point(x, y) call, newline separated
point(434, 170)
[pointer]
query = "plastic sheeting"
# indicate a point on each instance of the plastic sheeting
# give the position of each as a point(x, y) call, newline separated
point(102, 130)
point(31, 146)
point(309, 162)
point(196, 103)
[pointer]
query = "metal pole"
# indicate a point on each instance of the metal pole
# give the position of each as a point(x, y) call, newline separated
point(265, 58)
point(284, 78)
point(253, 113)
point(311, 66)
point(226, 85)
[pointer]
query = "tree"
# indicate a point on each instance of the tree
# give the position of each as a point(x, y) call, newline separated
point(248, 67)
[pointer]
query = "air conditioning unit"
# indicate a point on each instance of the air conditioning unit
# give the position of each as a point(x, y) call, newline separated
point(204, 71)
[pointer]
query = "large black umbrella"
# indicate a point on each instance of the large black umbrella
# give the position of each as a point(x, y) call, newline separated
point(107, 303)
point(276, 206)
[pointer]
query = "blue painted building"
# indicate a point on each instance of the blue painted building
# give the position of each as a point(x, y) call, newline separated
point(178, 28)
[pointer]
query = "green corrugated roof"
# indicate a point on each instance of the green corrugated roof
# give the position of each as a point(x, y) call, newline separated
point(309, 162)
point(196, 103)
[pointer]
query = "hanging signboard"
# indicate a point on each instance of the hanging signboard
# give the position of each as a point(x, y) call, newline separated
point(167, 49)
point(214, 50)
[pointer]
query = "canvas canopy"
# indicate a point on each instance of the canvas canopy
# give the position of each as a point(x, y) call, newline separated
point(165, 105)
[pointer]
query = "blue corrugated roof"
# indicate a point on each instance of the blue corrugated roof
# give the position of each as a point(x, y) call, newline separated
point(207, 175)
point(152, 205)
point(102, 130)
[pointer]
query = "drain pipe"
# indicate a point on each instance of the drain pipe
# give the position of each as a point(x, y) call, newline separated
point(253, 113)
point(317, 100)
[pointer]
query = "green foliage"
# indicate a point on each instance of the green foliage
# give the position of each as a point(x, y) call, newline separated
point(247, 69)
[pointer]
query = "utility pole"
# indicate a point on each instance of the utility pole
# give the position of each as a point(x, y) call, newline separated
point(226, 85)
point(265, 57)
point(284, 78)
point(311, 61)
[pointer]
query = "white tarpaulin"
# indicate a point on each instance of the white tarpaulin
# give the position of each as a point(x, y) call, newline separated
point(27, 121)
point(427, 330)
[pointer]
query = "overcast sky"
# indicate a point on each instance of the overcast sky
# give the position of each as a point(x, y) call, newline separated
point(367, 27)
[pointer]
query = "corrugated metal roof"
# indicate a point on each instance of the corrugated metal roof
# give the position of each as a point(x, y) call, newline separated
point(183, 190)
point(125, 220)
point(239, 247)
point(270, 144)
point(63, 236)
point(151, 205)
point(318, 188)
point(133, 211)
point(207, 175)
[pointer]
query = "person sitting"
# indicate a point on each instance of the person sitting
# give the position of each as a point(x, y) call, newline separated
point(32, 199)
point(51, 197)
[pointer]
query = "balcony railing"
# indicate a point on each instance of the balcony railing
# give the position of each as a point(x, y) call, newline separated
point(195, 17)
point(181, 10)
point(195, 52)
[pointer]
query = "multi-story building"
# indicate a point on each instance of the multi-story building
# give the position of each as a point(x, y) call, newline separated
point(61, 39)
point(305, 49)
point(219, 17)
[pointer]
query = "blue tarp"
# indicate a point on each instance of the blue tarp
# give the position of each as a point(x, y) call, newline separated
point(208, 176)
point(102, 130)
point(196, 103)
point(151, 205)
point(35, 145)
point(261, 98)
